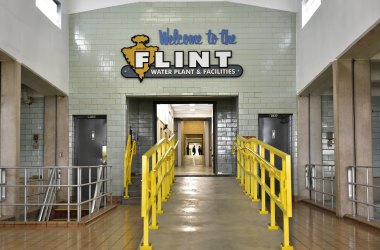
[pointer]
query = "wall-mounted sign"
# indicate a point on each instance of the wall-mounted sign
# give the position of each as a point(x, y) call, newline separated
point(148, 62)
point(176, 38)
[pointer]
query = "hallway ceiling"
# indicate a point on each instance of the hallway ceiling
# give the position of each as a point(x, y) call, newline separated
point(194, 111)
point(77, 6)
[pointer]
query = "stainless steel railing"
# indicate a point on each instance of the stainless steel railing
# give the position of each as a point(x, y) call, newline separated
point(320, 181)
point(2, 185)
point(38, 189)
point(364, 198)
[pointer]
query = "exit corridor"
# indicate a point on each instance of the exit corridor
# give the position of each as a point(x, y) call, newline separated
point(212, 213)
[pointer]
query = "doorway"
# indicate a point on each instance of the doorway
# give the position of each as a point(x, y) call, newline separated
point(90, 149)
point(219, 134)
point(191, 122)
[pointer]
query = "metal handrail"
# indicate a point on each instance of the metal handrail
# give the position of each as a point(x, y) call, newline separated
point(157, 179)
point(50, 196)
point(252, 169)
point(130, 151)
point(316, 178)
point(58, 186)
point(352, 190)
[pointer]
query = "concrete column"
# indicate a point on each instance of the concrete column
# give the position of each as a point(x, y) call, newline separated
point(303, 156)
point(344, 132)
point(363, 131)
point(316, 136)
point(50, 131)
point(56, 147)
point(10, 128)
point(62, 153)
point(62, 131)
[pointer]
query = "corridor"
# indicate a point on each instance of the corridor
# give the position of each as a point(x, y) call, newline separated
point(212, 213)
point(193, 165)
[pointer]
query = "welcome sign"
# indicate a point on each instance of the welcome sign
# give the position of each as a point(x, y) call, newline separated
point(149, 62)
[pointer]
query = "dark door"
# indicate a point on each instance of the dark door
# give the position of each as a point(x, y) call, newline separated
point(274, 130)
point(90, 135)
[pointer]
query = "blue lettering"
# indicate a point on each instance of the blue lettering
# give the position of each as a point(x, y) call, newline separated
point(226, 38)
point(177, 39)
point(164, 37)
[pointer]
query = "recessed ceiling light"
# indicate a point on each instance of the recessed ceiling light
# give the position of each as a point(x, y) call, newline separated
point(192, 105)
point(192, 109)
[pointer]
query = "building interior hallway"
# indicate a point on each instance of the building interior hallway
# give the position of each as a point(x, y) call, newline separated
point(121, 228)
point(193, 165)
point(212, 213)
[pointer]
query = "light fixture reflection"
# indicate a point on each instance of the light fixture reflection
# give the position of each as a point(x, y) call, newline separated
point(188, 229)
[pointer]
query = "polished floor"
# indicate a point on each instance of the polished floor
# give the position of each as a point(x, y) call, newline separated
point(212, 213)
point(311, 227)
point(119, 229)
point(193, 165)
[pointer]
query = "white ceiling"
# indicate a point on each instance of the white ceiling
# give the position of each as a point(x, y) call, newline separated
point(194, 111)
point(76, 6)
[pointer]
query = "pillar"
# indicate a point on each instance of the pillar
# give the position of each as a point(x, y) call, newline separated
point(363, 132)
point(316, 137)
point(309, 138)
point(344, 132)
point(49, 131)
point(303, 156)
point(10, 128)
point(56, 147)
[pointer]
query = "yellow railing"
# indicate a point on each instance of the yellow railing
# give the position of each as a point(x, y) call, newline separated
point(130, 151)
point(252, 170)
point(157, 179)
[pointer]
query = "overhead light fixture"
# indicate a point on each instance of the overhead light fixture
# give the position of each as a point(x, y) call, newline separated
point(192, 109)
point(192, 105)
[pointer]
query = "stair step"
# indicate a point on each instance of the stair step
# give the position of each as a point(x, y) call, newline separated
point(72, 208)
point(136, 179)
point(131, 201)
point(64, 219)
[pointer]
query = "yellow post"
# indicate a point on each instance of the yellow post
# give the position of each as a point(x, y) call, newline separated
point(247, 184)
point(237, 143)
point(262, 183)
point(286, 245)
point(255, 176)
point(288, 205)
point(145, 245)
point(153, 197)
point(272, 225)
point(126, 166)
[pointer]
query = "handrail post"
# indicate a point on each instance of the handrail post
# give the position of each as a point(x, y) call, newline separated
point(237, 144)
point(153, 195)
point(272, 225)
point(145, 245)
point(159, 180)
point(247, 183)
point(262, 183)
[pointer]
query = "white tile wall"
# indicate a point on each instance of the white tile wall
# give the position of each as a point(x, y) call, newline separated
point(265, 48)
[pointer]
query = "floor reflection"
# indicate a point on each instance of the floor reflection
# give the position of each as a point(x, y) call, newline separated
point(193, 165)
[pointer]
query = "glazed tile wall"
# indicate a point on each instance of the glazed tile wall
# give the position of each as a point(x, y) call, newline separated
point(328, 157)
point(265, 48)
point(32, 122)
point(226, 132)
point(376, 134)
